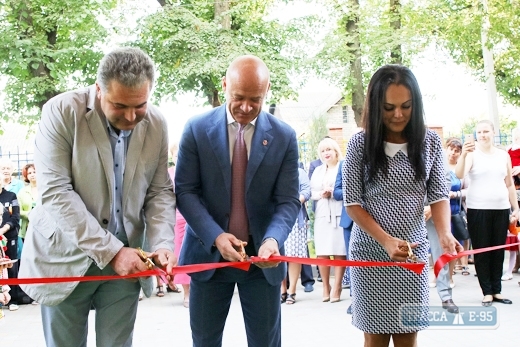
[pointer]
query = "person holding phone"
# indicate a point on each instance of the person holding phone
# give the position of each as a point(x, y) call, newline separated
point(490, 198)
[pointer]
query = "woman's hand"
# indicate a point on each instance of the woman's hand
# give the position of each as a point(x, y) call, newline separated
point(4, 298)
point(450, 244)
point(397, 249)
point(427, 213)
point(326, 193)
point(514, 217)
point(468, 147)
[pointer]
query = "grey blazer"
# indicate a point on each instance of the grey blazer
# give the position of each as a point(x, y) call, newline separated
point(73, 156)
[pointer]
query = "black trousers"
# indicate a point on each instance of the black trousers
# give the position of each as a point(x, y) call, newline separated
point(12, 253)
point(488, 228)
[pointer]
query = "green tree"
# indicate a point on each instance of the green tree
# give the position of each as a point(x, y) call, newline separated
point(507, 124)
point(193, 42)
point(317, 131)
point(47, 47)
point(456, 26)
point(370, 34)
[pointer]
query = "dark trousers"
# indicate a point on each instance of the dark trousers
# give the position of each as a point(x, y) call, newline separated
point(346, 235)
point(306, 274)
point(488, 228)
point(260, 301)
point(12, 253)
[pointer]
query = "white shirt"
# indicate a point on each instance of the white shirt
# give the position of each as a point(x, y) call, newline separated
point(232, 128)
point(488, 190)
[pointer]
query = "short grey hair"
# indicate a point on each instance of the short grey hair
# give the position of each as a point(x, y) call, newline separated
point(127, 65)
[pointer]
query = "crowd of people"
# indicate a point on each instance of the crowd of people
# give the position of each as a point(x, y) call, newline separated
point(236, 190)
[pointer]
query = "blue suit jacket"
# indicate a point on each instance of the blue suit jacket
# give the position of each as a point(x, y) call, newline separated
point(345, 221)
point(203, 186)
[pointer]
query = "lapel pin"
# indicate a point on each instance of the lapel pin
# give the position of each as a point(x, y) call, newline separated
point(264, 142)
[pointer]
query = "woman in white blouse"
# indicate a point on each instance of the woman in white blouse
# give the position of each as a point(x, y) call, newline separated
point(328, 234)
point(491, 205)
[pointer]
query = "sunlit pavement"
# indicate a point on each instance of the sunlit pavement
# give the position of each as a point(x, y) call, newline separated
point(309, 322)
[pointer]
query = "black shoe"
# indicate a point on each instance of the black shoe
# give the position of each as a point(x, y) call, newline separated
point(450, 306)
point(318, 279)
point(308, 288)
point(503, 301)
point(25, 300)
point(349, 310)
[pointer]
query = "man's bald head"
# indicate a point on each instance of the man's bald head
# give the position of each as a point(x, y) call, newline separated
point(246, 85)
point(247, 65)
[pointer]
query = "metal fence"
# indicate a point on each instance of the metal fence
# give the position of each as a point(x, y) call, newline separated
point(306, 154)
point(501, 139)
point(19, 159)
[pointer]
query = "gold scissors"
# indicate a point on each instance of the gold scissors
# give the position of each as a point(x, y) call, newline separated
point(149, 263)
point(242, 251)
point(411, 257)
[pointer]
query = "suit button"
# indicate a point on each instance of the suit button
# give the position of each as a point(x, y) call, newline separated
point(105, 221)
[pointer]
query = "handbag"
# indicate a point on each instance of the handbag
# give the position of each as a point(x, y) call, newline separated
point(459, 225)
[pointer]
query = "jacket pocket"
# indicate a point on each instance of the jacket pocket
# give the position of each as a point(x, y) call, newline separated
point(42, 222)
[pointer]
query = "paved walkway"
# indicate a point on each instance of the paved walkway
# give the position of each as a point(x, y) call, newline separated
point(309, 322)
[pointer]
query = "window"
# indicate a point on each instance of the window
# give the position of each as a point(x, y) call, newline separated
point(345, 114)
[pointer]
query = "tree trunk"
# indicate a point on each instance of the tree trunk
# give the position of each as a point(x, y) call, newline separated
point(36, 66)
point(396, 54)
point(222, 15)
point(213, 98)
point(356, 73)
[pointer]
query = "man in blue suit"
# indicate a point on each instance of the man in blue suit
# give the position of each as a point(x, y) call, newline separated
point(203, 182)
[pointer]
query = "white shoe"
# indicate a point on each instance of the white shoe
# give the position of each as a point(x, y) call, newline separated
point(433, 284)
point(507, 277)
point(13, 307)
point(35, 302)
point(452, 284)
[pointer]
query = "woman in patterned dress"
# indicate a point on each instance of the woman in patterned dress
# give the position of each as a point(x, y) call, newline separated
point(389, 169)
point(296, 243)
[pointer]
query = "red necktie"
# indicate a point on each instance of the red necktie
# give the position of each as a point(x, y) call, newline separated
point(238, 224)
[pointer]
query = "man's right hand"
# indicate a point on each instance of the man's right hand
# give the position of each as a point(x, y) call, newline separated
point(127, 261)
point(227, 244)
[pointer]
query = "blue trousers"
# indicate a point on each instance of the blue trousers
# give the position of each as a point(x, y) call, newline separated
point(443, 280)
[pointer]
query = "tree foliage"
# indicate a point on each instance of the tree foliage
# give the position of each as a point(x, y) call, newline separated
point(456, 26)
point(47, 47)
point(193, 49)
point(506, 127)
point(317, 131)
point(386, 34)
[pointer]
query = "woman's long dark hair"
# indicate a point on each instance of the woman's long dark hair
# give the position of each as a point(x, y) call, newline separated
point(375, 132)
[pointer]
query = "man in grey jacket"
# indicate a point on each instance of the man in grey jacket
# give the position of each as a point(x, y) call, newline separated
point(101, 156)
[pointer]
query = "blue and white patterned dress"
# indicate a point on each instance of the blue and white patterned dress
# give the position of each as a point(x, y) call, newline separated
point(396, 202)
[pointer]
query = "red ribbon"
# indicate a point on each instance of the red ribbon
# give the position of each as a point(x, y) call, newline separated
point(446, 258)
point(415, 267)
point(187, 269)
